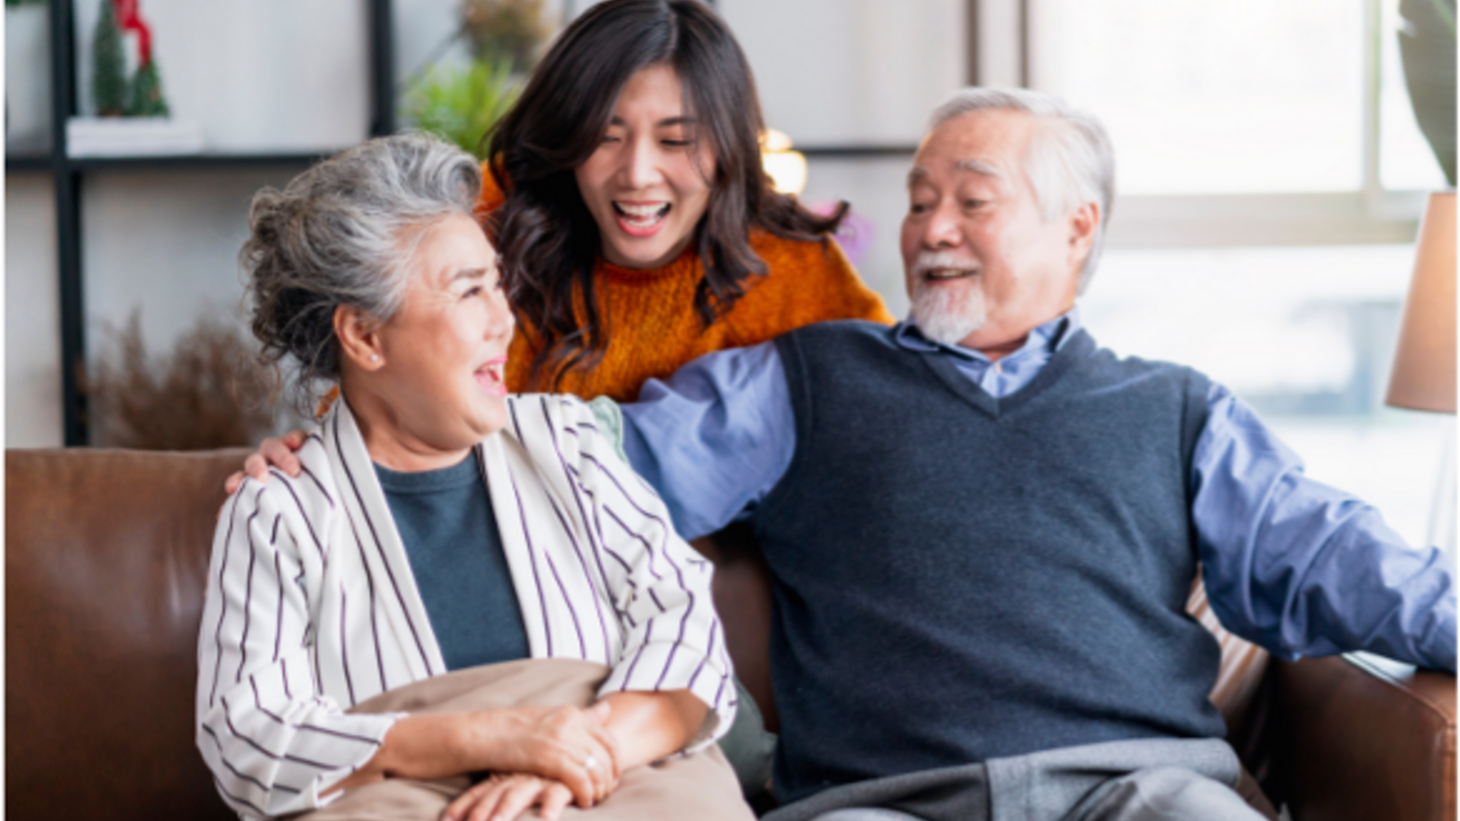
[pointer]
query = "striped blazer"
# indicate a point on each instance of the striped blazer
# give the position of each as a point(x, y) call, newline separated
point(311, 606)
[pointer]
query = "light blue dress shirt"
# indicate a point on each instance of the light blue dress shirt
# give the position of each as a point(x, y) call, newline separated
point(1289, 563)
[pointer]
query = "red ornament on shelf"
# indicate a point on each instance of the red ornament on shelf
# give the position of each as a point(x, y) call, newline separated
point(129, 18)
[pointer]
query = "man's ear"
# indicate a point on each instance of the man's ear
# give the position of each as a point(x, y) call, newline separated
point(1084, 226)
point(359, 335)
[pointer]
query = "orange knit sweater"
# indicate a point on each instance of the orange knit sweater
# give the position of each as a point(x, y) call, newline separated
point(654, 329)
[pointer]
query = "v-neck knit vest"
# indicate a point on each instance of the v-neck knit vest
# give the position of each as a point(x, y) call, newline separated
point(958, 578)
point(654, 329)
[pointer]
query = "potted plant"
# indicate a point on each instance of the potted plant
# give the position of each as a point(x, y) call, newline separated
point(210, 391)
point(1430, 44)
point(460, 103)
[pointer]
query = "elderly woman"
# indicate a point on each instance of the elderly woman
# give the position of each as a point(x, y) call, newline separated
point(439, 525)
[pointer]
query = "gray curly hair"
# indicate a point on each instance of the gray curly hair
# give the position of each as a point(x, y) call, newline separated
point(1070, 161)
point(343, 233)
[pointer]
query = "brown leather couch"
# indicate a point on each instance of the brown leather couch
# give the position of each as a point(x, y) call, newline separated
point(106, 558)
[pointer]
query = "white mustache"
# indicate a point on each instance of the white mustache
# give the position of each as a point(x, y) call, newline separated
point(933, 260)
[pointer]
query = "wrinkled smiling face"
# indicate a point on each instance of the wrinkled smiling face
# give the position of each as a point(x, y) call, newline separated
point(983, 266)
point(445, 349)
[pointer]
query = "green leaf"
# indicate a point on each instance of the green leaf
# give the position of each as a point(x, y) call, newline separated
point(460, 104)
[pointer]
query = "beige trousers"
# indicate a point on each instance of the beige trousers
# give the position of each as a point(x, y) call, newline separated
point(701, 786)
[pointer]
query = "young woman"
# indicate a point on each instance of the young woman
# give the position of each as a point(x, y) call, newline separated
point(637, 227)
point(359, 616)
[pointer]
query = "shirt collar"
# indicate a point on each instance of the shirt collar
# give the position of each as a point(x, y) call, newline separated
point(1049, 337)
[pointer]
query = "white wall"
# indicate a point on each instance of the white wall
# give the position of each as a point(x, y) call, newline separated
point(838, 72)
point(421, 26)
point(32, 314)
point(259, 76)
point(165, 243)
point(1000, 53)
point(27, 79)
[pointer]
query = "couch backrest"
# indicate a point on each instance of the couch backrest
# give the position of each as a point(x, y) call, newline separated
point(106, 557)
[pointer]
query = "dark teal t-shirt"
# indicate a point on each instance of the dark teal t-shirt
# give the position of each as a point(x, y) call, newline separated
point(445, 520)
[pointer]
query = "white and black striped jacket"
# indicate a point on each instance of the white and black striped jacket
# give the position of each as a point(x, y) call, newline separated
point(311, 606)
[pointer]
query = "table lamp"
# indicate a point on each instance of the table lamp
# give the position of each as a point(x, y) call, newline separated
point(1427, 365)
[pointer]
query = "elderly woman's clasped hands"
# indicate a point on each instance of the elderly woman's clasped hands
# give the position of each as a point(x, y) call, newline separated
point(543, 756)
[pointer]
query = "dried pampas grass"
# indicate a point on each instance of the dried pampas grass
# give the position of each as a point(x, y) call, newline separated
point(211, 392)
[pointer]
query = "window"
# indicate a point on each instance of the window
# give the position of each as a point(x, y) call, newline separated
point(1243, 96)
point(1255, 142)
point(1305, 334)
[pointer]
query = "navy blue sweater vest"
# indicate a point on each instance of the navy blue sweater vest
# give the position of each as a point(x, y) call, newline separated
point(959, 578)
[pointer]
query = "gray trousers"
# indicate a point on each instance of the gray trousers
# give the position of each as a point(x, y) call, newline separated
point(1146, 780)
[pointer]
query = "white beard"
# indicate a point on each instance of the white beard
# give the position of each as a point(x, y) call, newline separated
point(948, 312)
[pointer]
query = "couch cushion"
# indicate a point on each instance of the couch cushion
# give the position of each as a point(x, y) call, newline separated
point(105, 559)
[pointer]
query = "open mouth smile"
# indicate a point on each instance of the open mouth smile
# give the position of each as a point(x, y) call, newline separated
point(490, 376)
point(641, 220)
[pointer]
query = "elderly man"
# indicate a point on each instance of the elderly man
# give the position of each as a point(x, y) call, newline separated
point(982, 528)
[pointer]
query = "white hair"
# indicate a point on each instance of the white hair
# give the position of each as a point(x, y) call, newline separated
point(345, 232)
point(1069, 163)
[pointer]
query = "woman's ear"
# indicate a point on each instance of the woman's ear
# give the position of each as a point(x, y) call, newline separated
point(359, 335)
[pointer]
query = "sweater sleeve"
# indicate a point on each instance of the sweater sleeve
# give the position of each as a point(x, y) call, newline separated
point(273, 741)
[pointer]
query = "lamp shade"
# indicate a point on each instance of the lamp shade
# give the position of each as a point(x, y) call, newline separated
point(1424, 364)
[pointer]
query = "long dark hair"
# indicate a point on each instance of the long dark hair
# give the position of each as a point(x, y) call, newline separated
point(548, 240)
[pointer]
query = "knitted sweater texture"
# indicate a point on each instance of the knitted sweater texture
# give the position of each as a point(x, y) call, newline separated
point(653, 327)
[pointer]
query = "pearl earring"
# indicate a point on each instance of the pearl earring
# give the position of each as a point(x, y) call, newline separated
point(374, 357)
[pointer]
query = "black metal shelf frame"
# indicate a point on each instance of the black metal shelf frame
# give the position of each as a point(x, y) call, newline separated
point(68, 175)
point(856, 152)
point(28, 162)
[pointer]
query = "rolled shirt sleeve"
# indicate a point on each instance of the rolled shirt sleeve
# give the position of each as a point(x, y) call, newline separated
point(272, 740)
point(1302, 568)
point(715, 438)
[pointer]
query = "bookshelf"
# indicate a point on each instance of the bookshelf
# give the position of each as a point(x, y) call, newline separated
point(69, 175)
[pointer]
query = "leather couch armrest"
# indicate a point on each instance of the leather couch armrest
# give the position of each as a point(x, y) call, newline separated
point(1365, 738)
